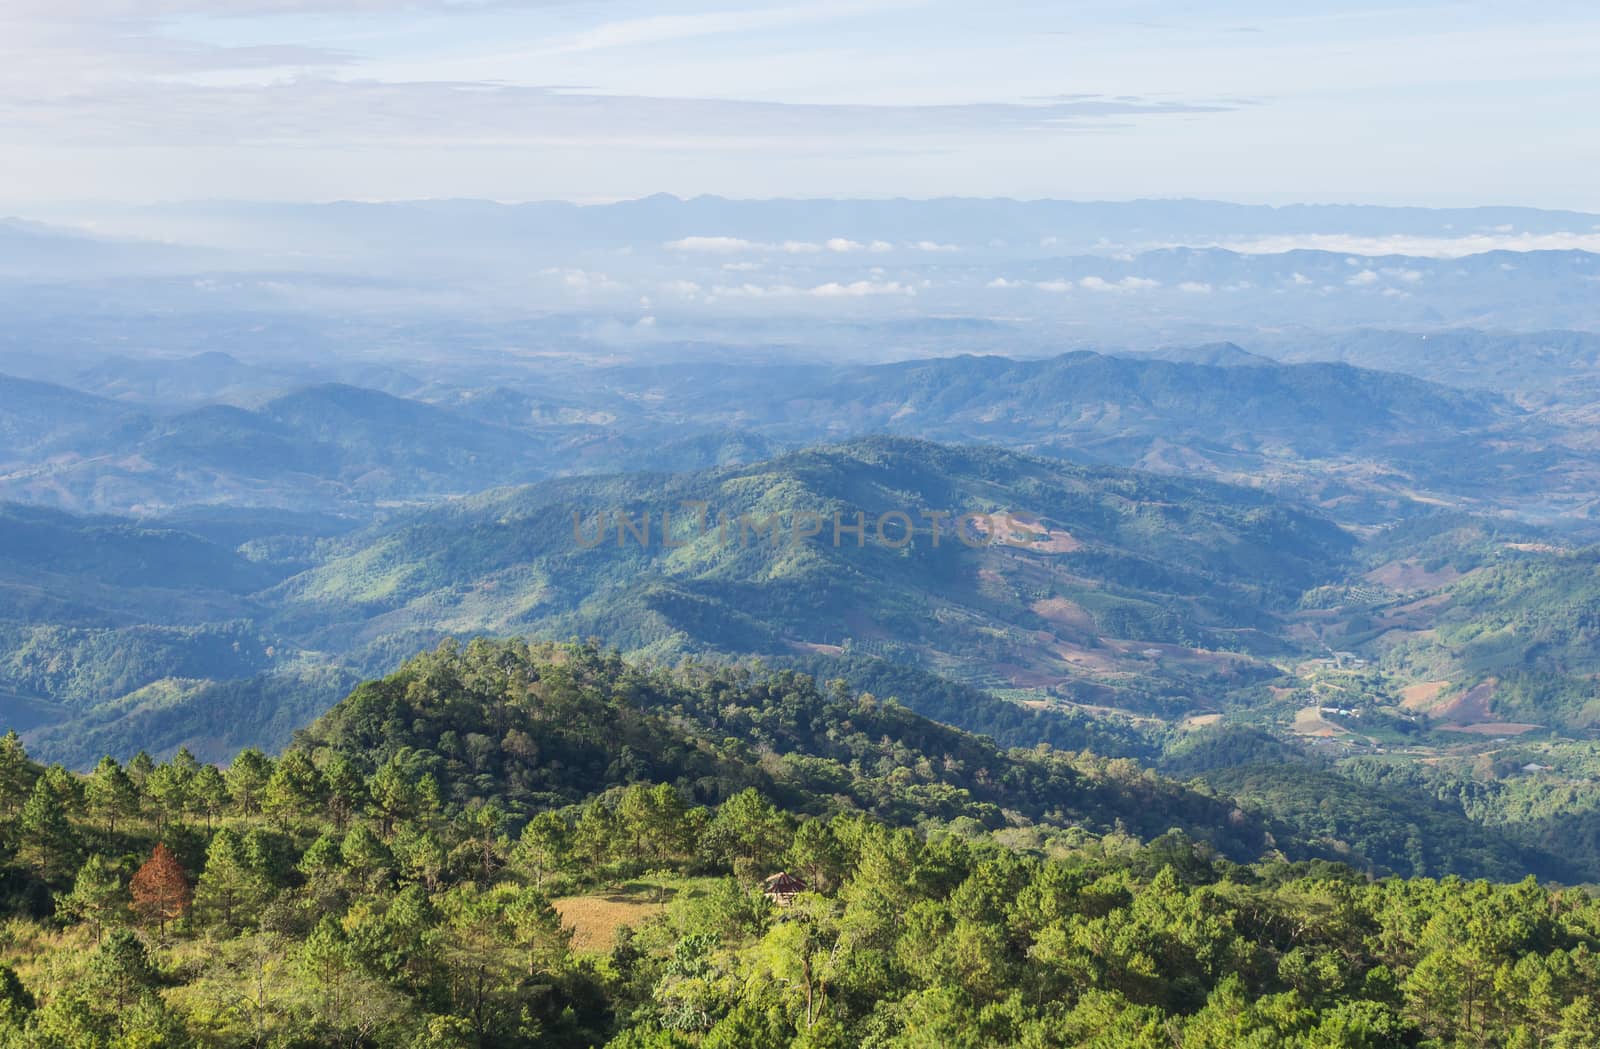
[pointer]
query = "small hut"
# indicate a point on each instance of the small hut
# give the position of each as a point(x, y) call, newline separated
point(782, 887)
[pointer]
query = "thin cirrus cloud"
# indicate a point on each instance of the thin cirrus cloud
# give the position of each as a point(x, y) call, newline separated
point(147, 10)
point(348, 112)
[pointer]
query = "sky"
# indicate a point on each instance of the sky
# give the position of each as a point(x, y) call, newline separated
point(1428, 103)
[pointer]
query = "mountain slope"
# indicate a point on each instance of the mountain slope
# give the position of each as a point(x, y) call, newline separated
point(1120, 571)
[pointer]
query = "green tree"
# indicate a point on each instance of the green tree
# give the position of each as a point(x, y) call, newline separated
point(347, 791)
point(537, 931)
point(230, 891)
point(296, 789)
point(48, 841)
point(368, 862)
point(170, 787)
point(120, 970)
point(140, 768)
point(99, 896)
point(17, 775)
point(209, 793)
point(748, 834)
point(543, 846)
point(247, 778)
point(816, 856)
point(393, 794)
point(111, 795)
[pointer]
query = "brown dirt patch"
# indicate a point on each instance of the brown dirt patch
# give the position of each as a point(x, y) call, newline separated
point(1066, 613)
point(594, 920)
point(1308, 721)
point(1422, 695)
point(1470, 707)
point(818, 647)
point(1409, 575)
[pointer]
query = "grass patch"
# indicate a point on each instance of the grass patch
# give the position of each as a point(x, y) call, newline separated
point(594, 918)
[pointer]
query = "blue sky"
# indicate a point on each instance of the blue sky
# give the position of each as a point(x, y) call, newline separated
point(1426, 103)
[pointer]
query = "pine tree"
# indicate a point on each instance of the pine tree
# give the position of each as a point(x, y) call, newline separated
point(347, 791)
point(110, 794)
point(120, 970)
point(48, 841)
point(140, 769)
point(17, 774)
point(544, 845)
point(161, 889)
point(296, 788)
point(230, 890)
point(98, 896)
point(247, 780)
point(393, 794)
point(209, 793)
point(171, 786)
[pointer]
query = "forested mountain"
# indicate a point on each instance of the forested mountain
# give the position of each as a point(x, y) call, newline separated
point(500, 846)
point(1115, 567)
point(1180, 582)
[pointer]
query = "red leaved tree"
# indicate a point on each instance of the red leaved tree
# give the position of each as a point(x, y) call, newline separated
point(160, 888)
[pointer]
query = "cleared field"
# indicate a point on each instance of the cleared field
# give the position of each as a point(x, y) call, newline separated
point(1422, 695)
point(1308, 721)
point(594, 920)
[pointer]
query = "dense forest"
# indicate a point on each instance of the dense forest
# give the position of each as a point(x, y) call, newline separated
point(407, 874)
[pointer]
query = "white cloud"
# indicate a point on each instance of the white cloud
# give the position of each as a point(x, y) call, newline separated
point(583, 282)
point(831, 290)
point(1363, 279)
point(1301, 278)
point(1125, 284)
point(1053, 285)
point(1195, 287)
point(720, 245)
point(713, 245)
point(935, 246)
point(861, 288)
point(752, 291)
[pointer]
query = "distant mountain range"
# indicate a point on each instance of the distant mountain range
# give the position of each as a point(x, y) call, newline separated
point(1364, 444)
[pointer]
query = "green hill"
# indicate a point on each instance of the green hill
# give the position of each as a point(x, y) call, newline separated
point(1177, 581)
point(503, 845)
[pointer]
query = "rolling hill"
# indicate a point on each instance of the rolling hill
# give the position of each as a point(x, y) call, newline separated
point(1117, 588)
point(1122, 575)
